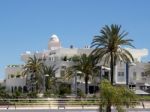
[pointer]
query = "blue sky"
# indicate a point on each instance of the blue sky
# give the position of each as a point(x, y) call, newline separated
point(28, 24)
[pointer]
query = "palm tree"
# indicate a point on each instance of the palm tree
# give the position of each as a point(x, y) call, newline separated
point(108, 46)
point(116, 96)
point(32, 70)
point(49, 72)
point(86, 65)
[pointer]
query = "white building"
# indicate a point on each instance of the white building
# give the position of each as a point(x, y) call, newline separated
point(57, 55)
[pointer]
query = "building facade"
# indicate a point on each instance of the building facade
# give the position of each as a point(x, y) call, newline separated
point(59, 56)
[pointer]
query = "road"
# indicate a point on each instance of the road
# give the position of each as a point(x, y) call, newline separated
point(48, 108)
point(67, 110)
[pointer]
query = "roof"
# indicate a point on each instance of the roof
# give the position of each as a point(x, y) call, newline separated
point(140, 92)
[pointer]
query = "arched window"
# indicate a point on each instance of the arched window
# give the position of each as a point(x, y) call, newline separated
point(12, 89)
point(20, 89)
point(15, 88)
point(25, 89)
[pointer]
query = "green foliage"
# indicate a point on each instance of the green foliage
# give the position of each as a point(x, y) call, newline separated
point(108, 46)
point(12, 75)
point(3, 93)
point(144, 98)
point(64, 89)
point(34, 68)
point(50, 79)
point(47, 94)
point(16, 94)
point(32, 95)
point(80, 93)
point(75, 58)
point(86, 65)
point(117, 96)
point(65, 58)
point(18, 76)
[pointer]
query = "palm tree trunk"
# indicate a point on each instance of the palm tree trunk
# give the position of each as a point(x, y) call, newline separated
point(108, 108)
point(86, 85)
point(94, 89)
point(112, 67)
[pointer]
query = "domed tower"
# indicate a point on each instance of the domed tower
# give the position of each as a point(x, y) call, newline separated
point(54, 43)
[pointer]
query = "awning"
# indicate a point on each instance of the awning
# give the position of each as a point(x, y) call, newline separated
point(146, 84)
point(140, 92)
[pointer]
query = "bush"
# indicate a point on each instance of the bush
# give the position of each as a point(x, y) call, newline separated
point(32, 95)
point(80, 93)
point(64, 89)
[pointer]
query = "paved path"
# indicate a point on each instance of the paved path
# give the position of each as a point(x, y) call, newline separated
point(48, 108)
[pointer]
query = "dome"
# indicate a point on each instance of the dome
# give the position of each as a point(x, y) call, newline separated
point(54, 38)
point(54, 42)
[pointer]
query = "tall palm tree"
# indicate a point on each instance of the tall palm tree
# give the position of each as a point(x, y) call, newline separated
point(108, 46)
point(32, 70)
point(86, 65)
point(49, 72)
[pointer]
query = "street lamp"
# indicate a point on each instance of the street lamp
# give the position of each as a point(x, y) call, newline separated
point(46, 75)
point(75, 84)
point(100, 70)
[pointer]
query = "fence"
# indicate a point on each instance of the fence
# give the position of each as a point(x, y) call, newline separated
point(57, 103)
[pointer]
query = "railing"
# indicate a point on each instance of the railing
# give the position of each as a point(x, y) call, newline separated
point(49, 102)
point(56, 103)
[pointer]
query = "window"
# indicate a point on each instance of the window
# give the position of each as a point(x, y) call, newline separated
point(120, 77)
point(121, 74)
point(143, 74)
point(12, 89)
point(63, 67)
point(62, 73)
point(143, 79)
point(51, 58)
point(9, 76)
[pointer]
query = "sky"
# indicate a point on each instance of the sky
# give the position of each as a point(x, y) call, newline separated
point(26, 25)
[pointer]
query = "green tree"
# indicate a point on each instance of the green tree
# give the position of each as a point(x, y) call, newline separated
point(108, 46)
point(32, 70)
point(116, 96)
point(64, 89)
point(49, 74)
point(86, 65)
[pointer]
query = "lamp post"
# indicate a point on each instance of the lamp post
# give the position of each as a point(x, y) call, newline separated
point(127, 74)
point(75, 84)
point(44, 89)
point(100, 70)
